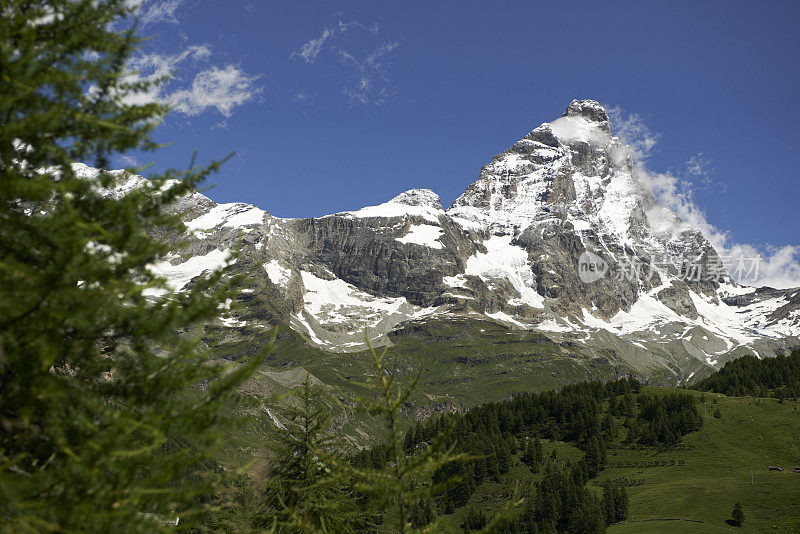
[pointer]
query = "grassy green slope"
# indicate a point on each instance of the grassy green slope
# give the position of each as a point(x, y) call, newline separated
point(718, 461)
point(468, 362)
point(463, 363)
point(703, 477)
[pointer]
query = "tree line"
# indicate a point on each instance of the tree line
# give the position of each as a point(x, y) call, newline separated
point(590, 415)
point(777, 377)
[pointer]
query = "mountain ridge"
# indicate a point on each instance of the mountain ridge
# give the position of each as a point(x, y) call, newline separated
point(508, 250)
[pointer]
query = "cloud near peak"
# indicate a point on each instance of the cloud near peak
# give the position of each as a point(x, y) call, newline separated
point(767, 265)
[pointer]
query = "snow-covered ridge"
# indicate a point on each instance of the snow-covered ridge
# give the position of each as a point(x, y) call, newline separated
point(507, 250)
point(417, 202)
point(233, 215)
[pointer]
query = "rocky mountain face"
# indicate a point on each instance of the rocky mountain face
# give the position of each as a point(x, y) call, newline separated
point(557, 235)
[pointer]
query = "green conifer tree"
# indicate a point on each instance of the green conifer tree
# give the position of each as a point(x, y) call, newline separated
point(106, 416)
point(398, 490)
point(737, 515)
point(308, 491)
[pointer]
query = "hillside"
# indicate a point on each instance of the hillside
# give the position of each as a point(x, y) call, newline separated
point(726, 461)
point(673, 483)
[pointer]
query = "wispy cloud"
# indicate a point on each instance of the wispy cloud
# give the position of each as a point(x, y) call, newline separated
point(128, 161)
point(369, 82)
point(701, 171)
point(640, 139)
point(776, 266)
point(155, 11)
point(311, 49)
point(344, 26)
point(151, 12)
point(220, 88)
point(372, 83)
point(192, 82)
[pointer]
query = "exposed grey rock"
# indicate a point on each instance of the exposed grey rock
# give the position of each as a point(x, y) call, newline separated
point(508, 250)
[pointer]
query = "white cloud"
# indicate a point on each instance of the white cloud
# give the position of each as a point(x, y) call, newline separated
point(311, 49)
point(155, 11)
point(372, 83)
point(216, 87)
point(129, 161)
point(155, 66)
point(344, 26)
point(778, 267)
point(637, 135)
point(382, 50)
point(577, 128)
point(210, 86)
point(700, 170)
point(221, 88)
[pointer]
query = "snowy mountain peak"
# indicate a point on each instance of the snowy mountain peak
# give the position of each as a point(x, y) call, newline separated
point(590, 110)
point(422, 203)
point(563, 170)
point(419, 197)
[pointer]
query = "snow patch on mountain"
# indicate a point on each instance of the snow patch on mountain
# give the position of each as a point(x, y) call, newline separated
point(178, 276)
point(233, 215)
point(335, 303)
point(504, 260)
point(506, 318)
point(423, 234)
point(508, 250)
point(620, 199)
point(278, 274)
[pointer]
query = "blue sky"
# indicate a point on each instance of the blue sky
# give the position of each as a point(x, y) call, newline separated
point(331, 106)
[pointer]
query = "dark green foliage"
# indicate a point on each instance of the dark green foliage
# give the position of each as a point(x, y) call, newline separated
point(614, 503)
point(577, 413)
point(421, 513)
point(574, 413)
point(409, 480)
point(771, 377)
point(564, 505)
point(398, 485)
point(533, 456)
point(664, 419)
point(737, 515)
point(475, 520)
point(107, 417)
point(308, 490)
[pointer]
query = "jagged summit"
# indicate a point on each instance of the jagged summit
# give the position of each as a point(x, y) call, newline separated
point(561, 171)
point(422, 203)
point(590, 110)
